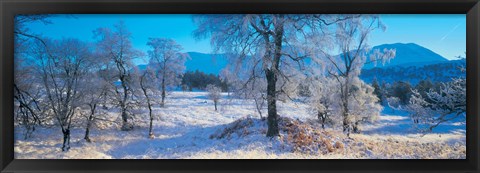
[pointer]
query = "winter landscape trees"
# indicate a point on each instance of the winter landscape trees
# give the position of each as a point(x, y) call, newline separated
point(149, 85)
point(63, 65)
point(170, 62)
point(275, 46)
point(304, 71)
point(93, 96)
point(26, 93)
point(438, 106)
point(214, 93)
point(351, 37)
point(115, 45)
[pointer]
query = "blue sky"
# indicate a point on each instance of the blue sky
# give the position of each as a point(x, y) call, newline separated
point(443, 34)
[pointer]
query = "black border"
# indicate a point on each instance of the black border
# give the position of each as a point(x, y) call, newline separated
point(9, 8)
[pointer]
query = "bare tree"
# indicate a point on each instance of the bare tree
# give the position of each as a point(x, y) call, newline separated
point(266, 46)
point(94, 92)
point(27, 93)
point(170, 62)
point(149, 87)
point(116, 46)
point(62, 65)
point(214, 93)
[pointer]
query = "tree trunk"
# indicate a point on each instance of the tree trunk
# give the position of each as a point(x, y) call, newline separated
point(123, 104)
point(87, 130)
point(321, 117)
point(346, 112)
point(346, 123)
point(66, 140)
point(125, 126)
point(162, 104)
point(272, 106)
point(89, 123)
point(150, 131)
point(215, 102)
point(355, 127)
point(149, 104)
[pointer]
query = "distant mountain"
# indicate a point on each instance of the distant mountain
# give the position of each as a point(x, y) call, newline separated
point(408, 54)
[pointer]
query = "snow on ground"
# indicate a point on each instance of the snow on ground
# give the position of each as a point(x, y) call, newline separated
point(396, 124)
point(185, 127)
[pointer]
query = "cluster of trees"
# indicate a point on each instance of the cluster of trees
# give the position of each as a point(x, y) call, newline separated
point(59, 80)
point(199, 80)
point(428, 103)
point(402, 90)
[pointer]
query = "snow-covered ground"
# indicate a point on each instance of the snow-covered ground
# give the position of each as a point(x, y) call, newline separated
point(184, 129)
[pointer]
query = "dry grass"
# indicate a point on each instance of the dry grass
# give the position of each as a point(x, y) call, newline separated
point(306, 139)
point(239, 127)
point(408, 149)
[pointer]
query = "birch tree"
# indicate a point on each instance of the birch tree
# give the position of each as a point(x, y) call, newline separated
point(62, 64)
point(351, 38)
point(94, 92)
point(166, 55)
point(116, 46)
point(148, 82)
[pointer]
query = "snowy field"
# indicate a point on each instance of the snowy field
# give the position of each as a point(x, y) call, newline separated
point(187, 126)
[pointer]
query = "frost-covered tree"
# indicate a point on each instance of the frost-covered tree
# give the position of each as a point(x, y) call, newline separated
point(62, 65)
point(440, 106)
point(214, 94)
point(149, 85)
point(364, 105)
point(323, 96)
point(351, 37)
point(166, 55)
point(115, 45)
point(270, 47)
